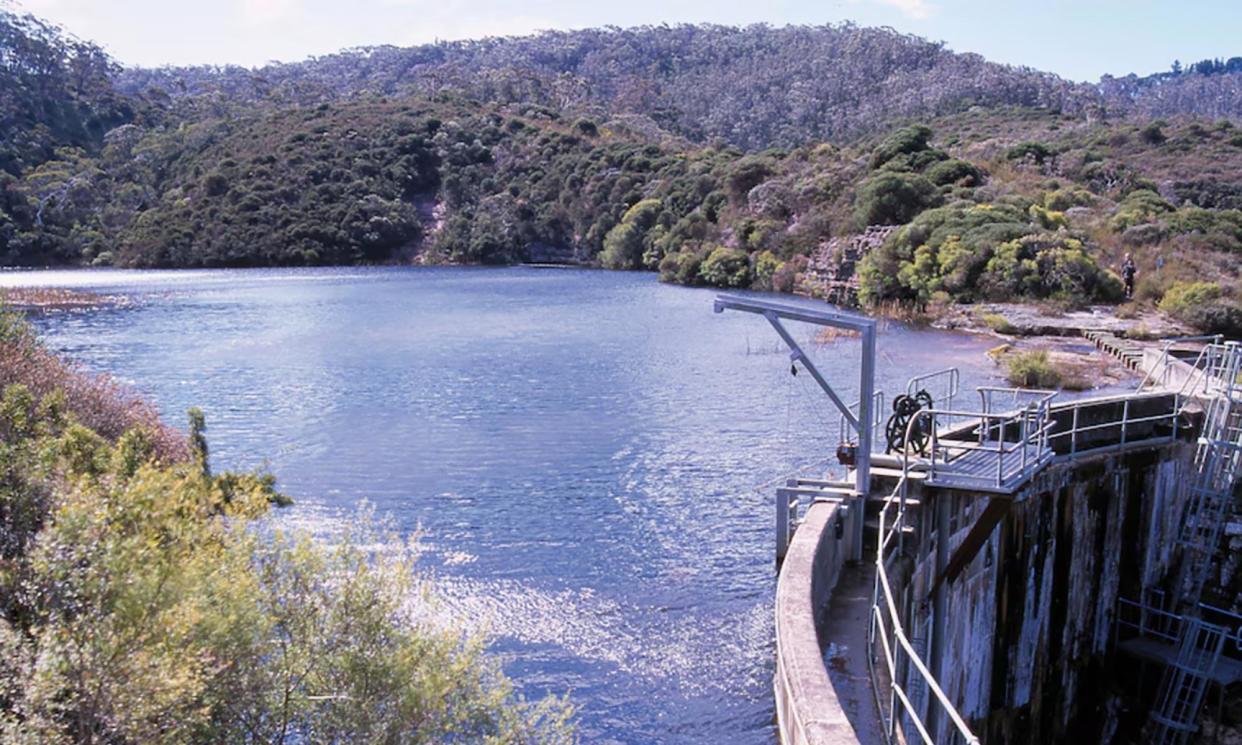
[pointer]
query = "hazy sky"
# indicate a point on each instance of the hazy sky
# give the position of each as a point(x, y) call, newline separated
point(1079, 39)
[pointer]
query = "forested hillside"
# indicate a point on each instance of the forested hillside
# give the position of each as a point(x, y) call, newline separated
point(751, 87)
point(613, 148)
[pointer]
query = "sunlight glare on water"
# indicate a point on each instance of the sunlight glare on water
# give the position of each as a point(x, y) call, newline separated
point(582, 451)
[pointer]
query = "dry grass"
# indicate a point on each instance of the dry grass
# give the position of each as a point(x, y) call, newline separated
point(53, 298)
point(96, 401)
point(831, 334)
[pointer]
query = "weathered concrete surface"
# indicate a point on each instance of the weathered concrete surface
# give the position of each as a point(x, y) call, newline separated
point(1028, 657)
point(843, 636)
point(808, 710)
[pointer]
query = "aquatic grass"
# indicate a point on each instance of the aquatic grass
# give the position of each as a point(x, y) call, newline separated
point(1037, 368)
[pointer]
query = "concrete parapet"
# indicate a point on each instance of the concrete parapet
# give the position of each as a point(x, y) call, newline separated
point(808, 711)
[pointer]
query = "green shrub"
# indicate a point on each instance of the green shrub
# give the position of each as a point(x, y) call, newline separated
point(894, 198)
point(681, 267)
point(1061, 200)
point(623, 247)
point(1218, 317)
point(954, 172)
point(904, 141)
point(1183, 296)
point(1046, 218)
point(998, 323)
point(1153, 134)
point(767, 264)
point(1139, 206)
point(625, 244)
point(1204, 306)
point(1042, 266)
point(1032, 369)
point(748, 173)
point(943, 249)
point(1036, 151)
point(726, 267)
point(139, 604)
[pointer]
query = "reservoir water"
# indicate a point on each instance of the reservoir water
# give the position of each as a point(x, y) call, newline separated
point(586, 454)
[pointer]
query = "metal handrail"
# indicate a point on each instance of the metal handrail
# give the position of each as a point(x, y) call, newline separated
point(1125, 423)
point(1170, 630)
point(1163, 361)
point(1032, 424)
point(1039, 396)
point(1216, 362)
point(951, 386)
point(877, 416)
point(878, 629)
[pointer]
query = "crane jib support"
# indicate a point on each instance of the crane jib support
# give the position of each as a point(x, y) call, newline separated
point(862, 422)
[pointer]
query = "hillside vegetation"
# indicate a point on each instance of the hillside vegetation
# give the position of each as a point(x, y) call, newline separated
point(752, 87)
point(611, 148)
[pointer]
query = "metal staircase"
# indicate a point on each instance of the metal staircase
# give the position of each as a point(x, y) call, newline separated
point(1176, 716)
point(1217, 466)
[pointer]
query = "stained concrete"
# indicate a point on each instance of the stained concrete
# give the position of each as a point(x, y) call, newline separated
point(843, 635)
point(1030, 621)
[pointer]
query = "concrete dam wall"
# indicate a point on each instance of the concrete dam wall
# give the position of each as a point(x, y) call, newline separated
point(1030, 621)
point(1026, 646)
point(1030, 556)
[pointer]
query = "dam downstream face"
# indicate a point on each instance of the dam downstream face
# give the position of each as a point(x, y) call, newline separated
point(587, 454)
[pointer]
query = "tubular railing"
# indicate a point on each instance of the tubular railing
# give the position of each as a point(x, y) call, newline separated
point(877, 416)
point(943, 385)
point(887, 630)
point(1216, 371)
point(1148, 620)
point(1152, 620)
point(1162, 362)
point(1017, 441)
point(1018, 397)
point(1125, 425)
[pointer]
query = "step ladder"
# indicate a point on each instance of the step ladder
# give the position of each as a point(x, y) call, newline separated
point(1217, 466)
point(1176, 716)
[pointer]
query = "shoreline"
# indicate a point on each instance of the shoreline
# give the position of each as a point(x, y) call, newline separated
point(42, 299)
point(1017, 327)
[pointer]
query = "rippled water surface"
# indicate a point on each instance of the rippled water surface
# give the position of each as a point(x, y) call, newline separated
point(583, 451)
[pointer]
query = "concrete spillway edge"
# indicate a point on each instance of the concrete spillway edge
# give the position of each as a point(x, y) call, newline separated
point(807, 708)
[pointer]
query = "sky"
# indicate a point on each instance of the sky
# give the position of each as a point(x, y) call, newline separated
point(1080, 40)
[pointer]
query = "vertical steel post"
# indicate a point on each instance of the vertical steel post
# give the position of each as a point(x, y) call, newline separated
point(782, 524)
point(1074, 432)
point(1125, 417)
point(940, 602)
point(862, 463)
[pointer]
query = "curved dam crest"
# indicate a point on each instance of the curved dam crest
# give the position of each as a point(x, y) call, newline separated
point(1086, 598)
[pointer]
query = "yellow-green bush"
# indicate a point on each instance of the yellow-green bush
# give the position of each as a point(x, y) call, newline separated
point(1032, 369)
point(1183, 296)
point(139, 605)
point(1204, 306)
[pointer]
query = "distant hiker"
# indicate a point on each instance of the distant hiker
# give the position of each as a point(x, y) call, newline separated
point(1128, 270)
